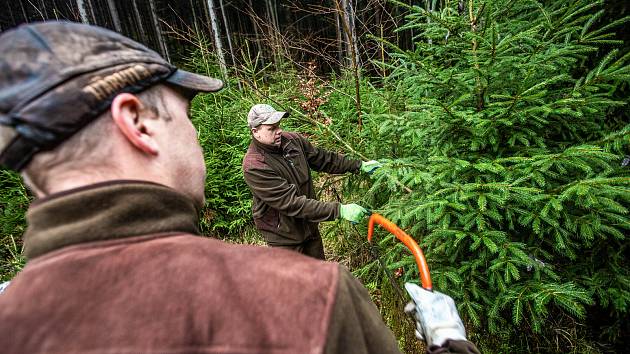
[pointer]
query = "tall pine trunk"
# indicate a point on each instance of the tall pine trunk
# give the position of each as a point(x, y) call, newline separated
point(136, 13)
point(228, 34)
point(158, 30)
point(346, 12)
point(217, 38)
point(274, 30)
point(194, 14)
point(256, 32)
point(340, 38)
point(83, 12)
point(114, 13)
point(227, 30)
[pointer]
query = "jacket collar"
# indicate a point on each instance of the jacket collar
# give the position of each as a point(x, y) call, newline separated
point(106, 211)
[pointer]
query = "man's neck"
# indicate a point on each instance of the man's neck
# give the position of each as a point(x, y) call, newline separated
point(70, 180)
point(267, 147)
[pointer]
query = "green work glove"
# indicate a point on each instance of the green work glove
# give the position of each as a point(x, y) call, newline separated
point(352, 212)
point(370, 166)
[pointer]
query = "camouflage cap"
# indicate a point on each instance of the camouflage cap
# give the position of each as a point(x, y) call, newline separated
point(56, 77)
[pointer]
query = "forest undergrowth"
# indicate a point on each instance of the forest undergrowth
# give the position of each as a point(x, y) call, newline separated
point(503, 136)
point(503, 145)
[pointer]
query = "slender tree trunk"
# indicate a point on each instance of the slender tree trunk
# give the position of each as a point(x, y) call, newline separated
point(228, 33)
point(340, 38)
point(341, 10)
point(275, 14)
point(411, 40)
point(89, 8)
point(194, 13)
point(430, 5)
point(273, 30)
point(24, 12)
point(158, 30)
point(136, 13)
point(82, 12)
point(11, 13)
point(346, 10)
point(256, 33)
point(227, 30)
point(217, 38)
point(114, 13)
point(379, 19)
point(44, 9)
point(272, 8)
point(350, 34)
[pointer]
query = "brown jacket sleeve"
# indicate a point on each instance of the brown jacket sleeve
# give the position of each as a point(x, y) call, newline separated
point(356, 326)
point(276, 192)
point(327, 161)
point(454, 347)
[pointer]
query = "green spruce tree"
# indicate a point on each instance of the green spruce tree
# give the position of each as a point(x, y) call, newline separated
point(510, 135)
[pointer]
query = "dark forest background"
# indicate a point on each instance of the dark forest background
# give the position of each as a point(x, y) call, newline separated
point(502, 126)
point(310, 31)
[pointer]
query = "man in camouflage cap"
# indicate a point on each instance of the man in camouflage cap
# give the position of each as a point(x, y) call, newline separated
point(97, 125)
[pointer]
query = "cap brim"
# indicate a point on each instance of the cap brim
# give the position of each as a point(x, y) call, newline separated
point(275, 117)
point(194, 82)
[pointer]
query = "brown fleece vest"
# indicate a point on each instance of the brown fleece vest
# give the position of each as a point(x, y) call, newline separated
point(114, 269)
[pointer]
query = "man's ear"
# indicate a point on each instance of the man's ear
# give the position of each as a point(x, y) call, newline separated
point(126, 110)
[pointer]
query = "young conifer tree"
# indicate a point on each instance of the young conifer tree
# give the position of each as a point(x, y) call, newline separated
point(511, 140)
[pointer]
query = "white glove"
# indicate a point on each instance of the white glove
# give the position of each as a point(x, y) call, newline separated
point(4, 286)
point(436, 316)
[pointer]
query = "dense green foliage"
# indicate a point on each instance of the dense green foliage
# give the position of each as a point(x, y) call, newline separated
point(13, 203)
point(510, 142)
point(502, 134)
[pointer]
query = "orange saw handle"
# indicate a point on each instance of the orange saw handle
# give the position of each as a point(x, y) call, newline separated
point(425, 276)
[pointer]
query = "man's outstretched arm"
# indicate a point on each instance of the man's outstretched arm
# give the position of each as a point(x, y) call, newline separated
point(327, 161)
point(276, 192)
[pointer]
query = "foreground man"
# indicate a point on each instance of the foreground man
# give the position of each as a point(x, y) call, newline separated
point(277, 169)
point(98, 126)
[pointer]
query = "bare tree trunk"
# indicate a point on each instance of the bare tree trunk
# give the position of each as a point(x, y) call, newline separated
point(274, 29)
point(194, 13)
point(227, 30)
point(158, 30)
point(114, 13)
point(272, 11)
point(82, 12)
point(24, 12)
point(256, 33)
point(352, 33)
point(89, 9)
point(346, 10)
point(229, 38)
point(428, 9)
point(136, 12)
point(11, 13)
point(340, 38)
point(217, 38)
point(382, 41)
point(275, 14)
point(44, 8)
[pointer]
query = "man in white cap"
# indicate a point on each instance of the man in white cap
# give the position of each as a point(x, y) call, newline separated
point(98, 126)
point(277, 170)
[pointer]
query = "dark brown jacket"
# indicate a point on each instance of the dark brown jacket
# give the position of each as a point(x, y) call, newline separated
point(285, 209)
point(454, 347)
point(116, 268)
